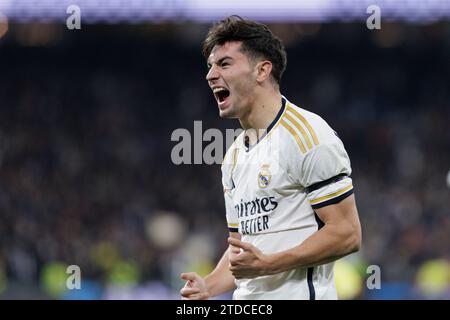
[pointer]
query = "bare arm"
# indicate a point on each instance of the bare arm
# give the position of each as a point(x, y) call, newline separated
point(340, 235)
point(219, 281)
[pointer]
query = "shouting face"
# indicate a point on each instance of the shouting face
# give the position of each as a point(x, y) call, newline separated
point(232, 78)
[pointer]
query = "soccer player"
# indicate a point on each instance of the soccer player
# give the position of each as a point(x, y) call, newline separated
point(289, 198)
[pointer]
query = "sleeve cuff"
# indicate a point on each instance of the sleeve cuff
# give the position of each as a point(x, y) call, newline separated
point(333, 198)
point(233, 227)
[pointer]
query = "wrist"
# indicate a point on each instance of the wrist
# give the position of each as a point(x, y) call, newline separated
point(272, 264)
point(209, 284)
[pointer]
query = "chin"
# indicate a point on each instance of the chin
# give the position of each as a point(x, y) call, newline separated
point(226, 113)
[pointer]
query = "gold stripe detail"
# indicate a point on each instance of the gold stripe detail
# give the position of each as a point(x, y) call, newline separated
point(305, 122)
point(233, 225)
point(235, 154)
point(300, 128)
point(292, 131)
point(333, 195)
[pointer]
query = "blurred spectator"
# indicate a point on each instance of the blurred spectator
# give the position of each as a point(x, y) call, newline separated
point(86, 174)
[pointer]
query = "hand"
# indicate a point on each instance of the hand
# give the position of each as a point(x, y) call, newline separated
point(195, 287)
point(247, 261)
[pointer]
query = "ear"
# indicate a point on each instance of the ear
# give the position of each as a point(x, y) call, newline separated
point(263, 69)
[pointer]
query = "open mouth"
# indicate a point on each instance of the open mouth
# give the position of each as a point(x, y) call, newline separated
point(221, 94)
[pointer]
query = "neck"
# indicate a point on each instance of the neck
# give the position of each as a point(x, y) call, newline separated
point(262, 112)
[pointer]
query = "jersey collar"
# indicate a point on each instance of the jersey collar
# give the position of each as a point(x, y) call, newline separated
point(249, 147)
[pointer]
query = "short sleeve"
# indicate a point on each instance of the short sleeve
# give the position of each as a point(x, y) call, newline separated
point(228, 186)
point(325, 174)
point(232, 217)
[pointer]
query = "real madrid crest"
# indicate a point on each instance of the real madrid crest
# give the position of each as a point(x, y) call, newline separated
point(264, 176)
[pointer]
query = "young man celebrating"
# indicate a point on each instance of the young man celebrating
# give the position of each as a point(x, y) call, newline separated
point(289, 197)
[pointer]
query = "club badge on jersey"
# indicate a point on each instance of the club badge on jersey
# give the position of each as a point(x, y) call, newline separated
point(264, 176)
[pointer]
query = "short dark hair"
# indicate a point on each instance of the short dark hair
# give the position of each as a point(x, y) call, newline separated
point(257, 41)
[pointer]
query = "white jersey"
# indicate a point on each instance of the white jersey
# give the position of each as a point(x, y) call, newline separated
point(271, 191)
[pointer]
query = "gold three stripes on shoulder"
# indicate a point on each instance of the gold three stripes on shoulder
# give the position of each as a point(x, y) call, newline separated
point(302, 126)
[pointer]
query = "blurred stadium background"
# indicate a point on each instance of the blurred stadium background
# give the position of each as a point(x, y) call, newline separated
point(86, 118)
